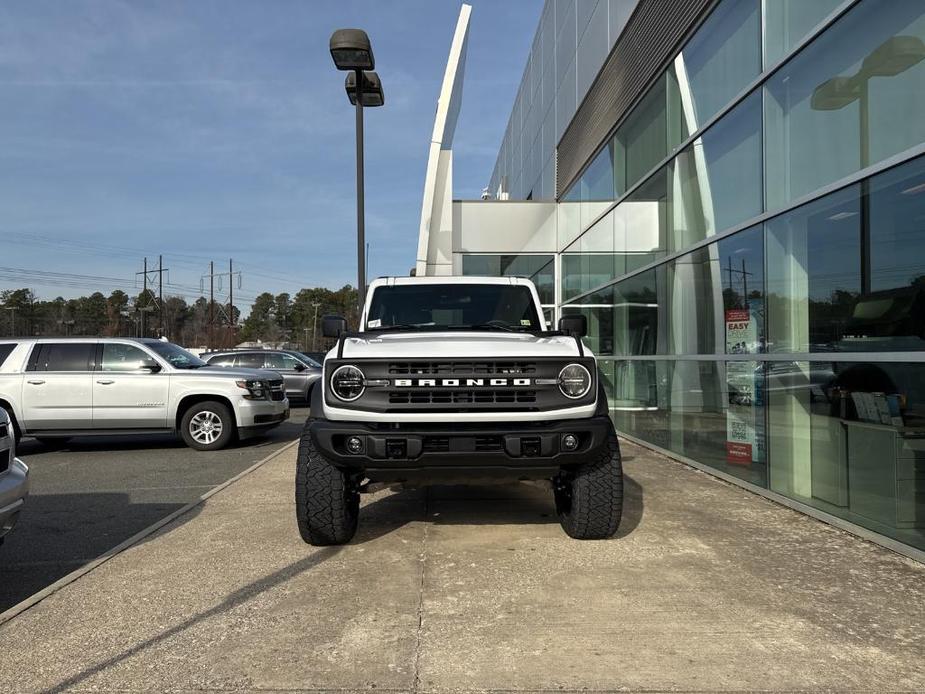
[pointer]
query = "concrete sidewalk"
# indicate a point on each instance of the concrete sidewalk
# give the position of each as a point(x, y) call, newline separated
point(708, 587)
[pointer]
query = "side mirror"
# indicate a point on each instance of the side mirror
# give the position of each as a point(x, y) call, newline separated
point(151, 368)
point(299, 366)
point(333, 326)
point(576, 325)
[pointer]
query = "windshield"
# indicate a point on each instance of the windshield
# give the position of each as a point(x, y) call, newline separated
point(453, 307)
point(177, 357)
point(308, 360)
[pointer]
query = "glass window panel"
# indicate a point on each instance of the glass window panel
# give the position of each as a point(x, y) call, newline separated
point(890, 315)
point(814, 273)
point(590, 261)
point(636, 314)
point(644, 216)
point(717, 63)
point(119, 357)
point(66, 356)
point(250, 360)
point(641, 142)
point(849, 439)
point(600, 327)
point(711, 412)
point(716, 182)
point(843, 103)
point(788, 21)
point(741, 261)
point(537, 268)
point(691, 300)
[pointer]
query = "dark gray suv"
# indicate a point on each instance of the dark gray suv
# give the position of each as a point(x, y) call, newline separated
point(298, 371)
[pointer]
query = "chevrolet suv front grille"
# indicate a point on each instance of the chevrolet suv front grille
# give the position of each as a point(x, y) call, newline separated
point(6, 447)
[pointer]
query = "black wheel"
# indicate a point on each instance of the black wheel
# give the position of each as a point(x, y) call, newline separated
point(589, 498)
point(53, 442)
point(327, 500)
point(17, 434)
point(207, 426)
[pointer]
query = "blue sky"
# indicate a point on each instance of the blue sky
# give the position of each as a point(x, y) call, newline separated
point(217, 129)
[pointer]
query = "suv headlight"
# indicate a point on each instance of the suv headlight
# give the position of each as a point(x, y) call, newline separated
point(256, 390)
point(347, 383)
point(574, 381)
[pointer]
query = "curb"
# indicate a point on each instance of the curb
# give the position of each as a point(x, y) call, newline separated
point(35, 599)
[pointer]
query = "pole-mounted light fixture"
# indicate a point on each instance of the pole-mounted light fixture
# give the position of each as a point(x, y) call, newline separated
point(351, 51)
point(371, 94)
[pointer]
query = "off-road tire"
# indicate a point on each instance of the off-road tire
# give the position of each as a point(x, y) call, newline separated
point(229, 426)
point(589, 498)
point(327, 499)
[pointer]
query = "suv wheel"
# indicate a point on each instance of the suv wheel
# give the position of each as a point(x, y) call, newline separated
point(589, 498)
point(327, 499)
point(17, 434)
point(207, 426)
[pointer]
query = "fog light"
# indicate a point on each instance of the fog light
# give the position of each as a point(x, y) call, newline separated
point(570, 442)
point(355, 444)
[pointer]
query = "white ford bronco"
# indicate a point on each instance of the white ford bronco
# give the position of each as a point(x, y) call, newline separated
point(457, 379)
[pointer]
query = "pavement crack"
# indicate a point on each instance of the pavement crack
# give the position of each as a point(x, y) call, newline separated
point(416, 681)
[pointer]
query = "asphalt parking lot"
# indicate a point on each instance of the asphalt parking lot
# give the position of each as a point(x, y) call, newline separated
point(96, 492)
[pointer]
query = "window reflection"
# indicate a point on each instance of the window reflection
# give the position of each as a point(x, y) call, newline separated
point(537, 268)
point(849, 439)
point(843, 103)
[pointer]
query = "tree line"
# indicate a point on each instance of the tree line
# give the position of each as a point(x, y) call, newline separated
point(280, 318)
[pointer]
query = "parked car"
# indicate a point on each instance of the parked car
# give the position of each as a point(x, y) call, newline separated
point(14, 477)
point(56, 388)
point(298, 371)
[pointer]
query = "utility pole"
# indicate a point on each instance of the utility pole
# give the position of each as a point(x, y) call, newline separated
point(211, 304)
point(316, 304)
point(229, 313)
point(146, 306)
point(231, 320)
point(12, 310)
point(144, 293)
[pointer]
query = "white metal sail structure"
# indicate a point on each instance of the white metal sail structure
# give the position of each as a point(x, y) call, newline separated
point(435, 247)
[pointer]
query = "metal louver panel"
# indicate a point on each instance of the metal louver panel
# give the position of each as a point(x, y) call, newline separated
point(650, 38)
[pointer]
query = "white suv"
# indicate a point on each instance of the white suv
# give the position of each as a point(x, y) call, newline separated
point(457, 380)
point(57, 388)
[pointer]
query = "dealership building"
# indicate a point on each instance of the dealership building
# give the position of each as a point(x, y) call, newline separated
point(733, 193)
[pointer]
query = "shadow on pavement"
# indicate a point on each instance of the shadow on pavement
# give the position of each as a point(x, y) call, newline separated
point(237, 598)
point(45, 546)
point(509, 504)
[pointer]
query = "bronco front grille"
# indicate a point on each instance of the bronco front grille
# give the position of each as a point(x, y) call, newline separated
point(462, 397)
point(462, 444)
point(460, 368)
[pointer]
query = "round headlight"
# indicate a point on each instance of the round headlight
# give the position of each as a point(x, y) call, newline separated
point(574, 381)
point(347, 382)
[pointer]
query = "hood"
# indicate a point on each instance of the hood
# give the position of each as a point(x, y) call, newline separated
point(261, 374)
point(459, 345)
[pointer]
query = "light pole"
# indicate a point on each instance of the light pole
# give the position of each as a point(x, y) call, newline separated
point(316, 304)
point(352, 52)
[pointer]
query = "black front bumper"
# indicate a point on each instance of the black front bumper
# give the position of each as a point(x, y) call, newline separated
point(520, 449)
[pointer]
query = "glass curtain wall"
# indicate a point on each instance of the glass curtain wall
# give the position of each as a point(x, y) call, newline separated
point(754, 310)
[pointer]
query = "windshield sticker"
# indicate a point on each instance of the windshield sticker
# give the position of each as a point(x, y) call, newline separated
point(375, 323)
point(525, 321)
